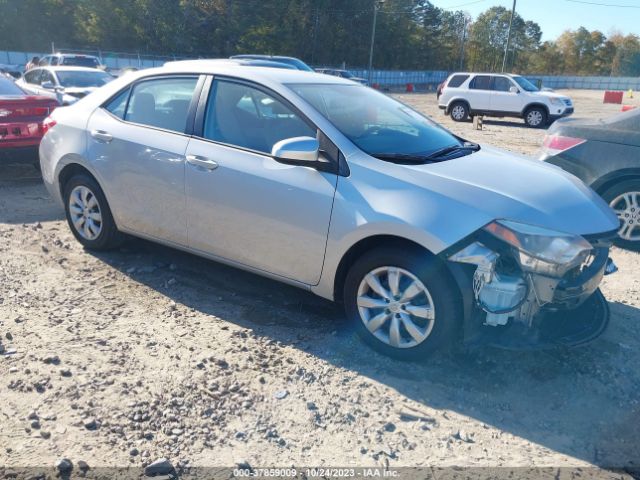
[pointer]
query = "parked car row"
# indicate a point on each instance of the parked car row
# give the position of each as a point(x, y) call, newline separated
point(325, 184)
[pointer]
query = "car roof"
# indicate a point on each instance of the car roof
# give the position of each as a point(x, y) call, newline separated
point(258, 55)
point(485, 73)
point(69, 68)
point(260, 74)
point(71, 55)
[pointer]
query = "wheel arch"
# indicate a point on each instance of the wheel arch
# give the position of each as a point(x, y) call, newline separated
point(535, 104)
point(369, 243)
point(455, 100)
point(75, 166)
point(69, 170)
point(607, 181)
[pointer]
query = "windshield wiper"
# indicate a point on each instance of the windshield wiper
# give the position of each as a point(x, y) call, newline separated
point(442, 152)
point(418, 159)
point(402, 157)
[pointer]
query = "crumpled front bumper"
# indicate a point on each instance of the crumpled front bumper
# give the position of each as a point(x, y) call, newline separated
point(576, 314)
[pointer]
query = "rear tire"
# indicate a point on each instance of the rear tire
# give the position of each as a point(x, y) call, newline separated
point(624, 198)
point(88, 214)
point(390, 316)
point(536, 117)
point(459, 112)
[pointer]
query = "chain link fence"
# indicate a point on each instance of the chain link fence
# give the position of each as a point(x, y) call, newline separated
point(419, 80)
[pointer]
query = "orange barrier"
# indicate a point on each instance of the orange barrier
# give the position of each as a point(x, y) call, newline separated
point(626, 108)
point(613, 97)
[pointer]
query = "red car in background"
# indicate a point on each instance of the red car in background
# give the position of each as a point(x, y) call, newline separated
point(21, 122)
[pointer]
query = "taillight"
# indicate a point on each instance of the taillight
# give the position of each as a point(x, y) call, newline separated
point(554, 144)
point(47, 124)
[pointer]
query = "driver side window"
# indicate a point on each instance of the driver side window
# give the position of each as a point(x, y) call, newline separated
point(246, 117)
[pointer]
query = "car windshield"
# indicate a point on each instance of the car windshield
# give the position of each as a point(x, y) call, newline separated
point(8, 88)
point(376, 123)
point(83, 79)
point(525, 84)
point(345, 74)
point(90, 62)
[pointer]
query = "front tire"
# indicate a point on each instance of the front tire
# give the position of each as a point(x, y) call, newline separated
point(403, 303)
point(624, 199)
point(88, 214)
point(536, 117)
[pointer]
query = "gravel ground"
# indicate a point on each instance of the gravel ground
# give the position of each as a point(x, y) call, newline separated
point(119, 359)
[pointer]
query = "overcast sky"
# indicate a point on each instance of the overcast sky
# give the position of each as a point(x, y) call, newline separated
point(555, 16)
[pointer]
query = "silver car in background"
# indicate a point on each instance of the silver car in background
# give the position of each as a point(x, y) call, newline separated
point(333, 187)
point(66, 84)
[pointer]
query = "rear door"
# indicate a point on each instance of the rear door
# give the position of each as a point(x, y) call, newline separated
point(137, 143)
point(502, 99)
point(242, 204)
point(479, 93)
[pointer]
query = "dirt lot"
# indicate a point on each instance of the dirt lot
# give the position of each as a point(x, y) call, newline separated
point(122, 358)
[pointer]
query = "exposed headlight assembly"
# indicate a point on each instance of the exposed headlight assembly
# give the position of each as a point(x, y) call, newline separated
point(540, 250)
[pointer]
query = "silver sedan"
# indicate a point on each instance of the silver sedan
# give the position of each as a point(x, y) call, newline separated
point(333, 187)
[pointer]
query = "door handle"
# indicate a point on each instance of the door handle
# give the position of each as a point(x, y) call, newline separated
point(101, 136)
point(203, 162)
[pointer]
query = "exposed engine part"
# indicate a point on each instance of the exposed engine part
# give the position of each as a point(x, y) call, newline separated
point(516, 296)
point(501, 296)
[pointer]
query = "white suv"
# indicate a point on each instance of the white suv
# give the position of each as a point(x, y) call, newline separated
point(501, 95)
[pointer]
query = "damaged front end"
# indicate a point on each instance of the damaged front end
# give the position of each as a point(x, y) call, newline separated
point(532, 287)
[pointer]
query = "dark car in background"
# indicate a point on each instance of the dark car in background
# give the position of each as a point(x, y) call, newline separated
point(294, 62)
point(21, 122)
point(604, 154)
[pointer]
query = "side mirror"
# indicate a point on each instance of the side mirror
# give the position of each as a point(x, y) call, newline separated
point(48, 85)
point(514, 90)
point(297, 151)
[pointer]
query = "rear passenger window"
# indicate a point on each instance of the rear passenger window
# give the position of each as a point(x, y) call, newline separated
point(118, 105)
point(501, 84)
point(457, 80)
point(162, 103)
point(481, 82)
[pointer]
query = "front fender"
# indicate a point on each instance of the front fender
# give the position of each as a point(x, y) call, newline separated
point(367, 204)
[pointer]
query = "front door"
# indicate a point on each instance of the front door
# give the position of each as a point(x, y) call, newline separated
point(244, 206)
point(137, 144)
point(502, 98)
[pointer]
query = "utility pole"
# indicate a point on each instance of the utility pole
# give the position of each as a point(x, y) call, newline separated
point(373, 37)
point(506, 50)
point(464, 34)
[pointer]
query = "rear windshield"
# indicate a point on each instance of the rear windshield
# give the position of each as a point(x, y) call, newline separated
point(8, 88)
point(83, 78)
point(90, 62)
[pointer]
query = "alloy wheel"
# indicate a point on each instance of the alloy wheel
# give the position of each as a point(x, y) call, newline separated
point(85, 213)
point(396, 307)
point(627, 208)
point(534, 118)
point(458, 112)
